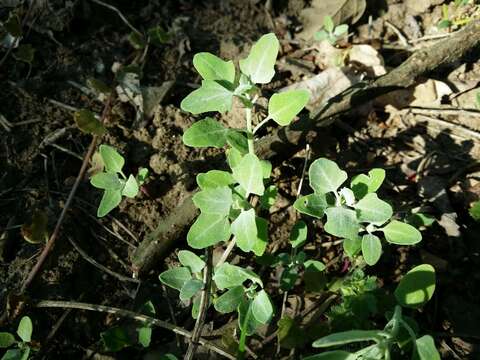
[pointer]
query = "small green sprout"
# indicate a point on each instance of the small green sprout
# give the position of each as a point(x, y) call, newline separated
point(355, 214)
point(475, 211)
point(21, 348)
point(445, 22)
point(330, 32)
point(114, 182)
point(413, 291)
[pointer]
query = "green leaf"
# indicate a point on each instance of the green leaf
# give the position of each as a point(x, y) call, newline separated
point(25, 329)
point(332, 355)
point(425, 349)
point(352, 246)
point(204, 133)
point(142, 175)
point(190, 288)
point(25, 53)
point(176, 277)
point(116, 338)
point(259, 65)
point(214, 179)
point(158, 36)
point(340, 30)
point(312, 204)
point(211, 67)
point(416, 287)
point(228, 276)
point(262, 236)
point(267, 200)
point(144, 336)
point(208, 230)
point(234, 157)
point(373, 210)
point(211, 96)
point(112, 159)
point(237, 140)
point(131, 187)
point(347, 337)
point(298, 236)
point(6, 340)
point(314, 266)
point(342, 222)
point(371, 249)
point(249, 174)
point(419, 220)
point(13, 354)
point(321, 35)
point(262, 308)
point(168, 357)
point(106, 181)
point(110, 200)
point(191, 260)
point(247, 322)
point(328, 23)
point(245, 230)
point(266, 168)
point(88, 123)
point(284, 106)
point(288, 278)
point(475, 211)
point(363, 184)
point(325, 176)
point(214, 200)
point(397, 232)
point(230, 300)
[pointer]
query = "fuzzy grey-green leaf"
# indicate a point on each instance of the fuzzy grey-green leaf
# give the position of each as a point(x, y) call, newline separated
point(399, 233)
point(325, 176)
point(190, 288)
point(110, 200)
point(111, 158)
point(211, 67)
point(262, 308)
point(229, 301)
point(204, 133)
point(214, 179)
point(249, 174)
point(214, 200)
point(284, 106)
point(259, 65)
point(211, 96)
point(208, 230)
point(106, 181)
point(191, 260)
point(312, 204)
point(25, 329)
point(131, 187)
point(244, 229)
point(416, 287)
point(228, 276)
point(342, 222)
point(176, 277)
point(373, 210)
point(371, 249)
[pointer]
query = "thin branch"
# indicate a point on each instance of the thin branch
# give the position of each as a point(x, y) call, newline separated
point(132, 315)
point(56, 232)
point(119, 13)
point(204, 302)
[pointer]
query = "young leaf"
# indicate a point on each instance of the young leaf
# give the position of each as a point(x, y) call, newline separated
point(205, 133)
point(106, 181)
point(230, 300)
point(312, 204)
point(131, 187)
point(247, 322)
point(340, 30)
point(234, 157)
point(266, 168)
point(144, 336)
point(314, 266)
point(259, 65)
point(249, 174)
point(416, 287)
point(348, 337)
point(236, 139)
point(191, 260)
point(332, 355)
point(284, 106)
point(262, 308)
point(262, 236)
point(142, 175)
point(363, 184)
point(214, 179)
point(342, 222)
point(211, 67)
point(245, 230)
point(373, 210)
point(214, 200)
point(348, 196)
point(371, 249)
point(397, 232)
point(176, 277)
point(116, 338)
point(6, 340)
point(475, 211)
point(325, 176)
point(110, 200)
point(228, 276)
point(267, 200)
point(190, 288)
point(111, 158)
point(352, 246)
point(298, 236)
point(328, 23)
point(425, 349)
point(210, 97)
point(25, 329)
point(87, 122)
point(208, 230)
point(321, 35)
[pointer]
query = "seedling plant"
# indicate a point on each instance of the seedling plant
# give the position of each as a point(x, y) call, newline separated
point(330, 32)
point(17, 349)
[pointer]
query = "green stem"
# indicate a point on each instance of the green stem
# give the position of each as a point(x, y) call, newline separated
point(243, 334)
point(248, 116)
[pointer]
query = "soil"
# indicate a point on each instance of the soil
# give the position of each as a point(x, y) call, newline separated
point(428, 167)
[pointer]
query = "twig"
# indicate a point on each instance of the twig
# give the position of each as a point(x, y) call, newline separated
point(132, 315)
point(444, 111)
point(227, 251)
point(48, 247)
point(119, 13)
point(204, 302)
point(92, 261)
point(403, 39)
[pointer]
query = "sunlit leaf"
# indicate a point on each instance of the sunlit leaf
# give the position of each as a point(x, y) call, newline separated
point(131, 187)
point(228, 276)
point(211, 67)
point(211, 96)
point(348, 337)
point(110, 200)
point(425, 349)
point(397, 232)
point(416, 287)
point(342, 222)
point(326, 176)
point(191, 260)
point(204, 133)
point(249, 175)
point(373, 210)
point(25, 329)
point(259, 65)
point(230, 300)
point(262, 308)
point(208, 230)
point(284, 106)
point(332, 355)
point(176, 277)
point(363, 184)
point(312, 204)
point(214, 179)
point(245, 230)
point(111, 158)
point(298, 235)
point(371, 249)
point(214, 200)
